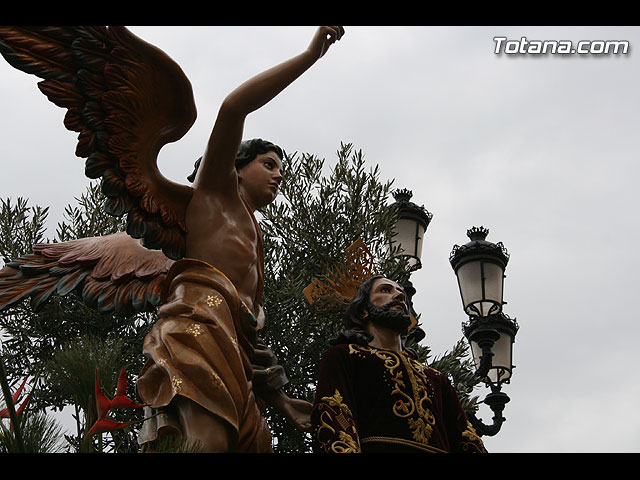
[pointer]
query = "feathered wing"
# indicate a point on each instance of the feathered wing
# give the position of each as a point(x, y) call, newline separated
point(112, 273)
point(126, 99)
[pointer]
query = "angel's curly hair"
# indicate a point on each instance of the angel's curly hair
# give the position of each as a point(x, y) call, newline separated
point(248, 151)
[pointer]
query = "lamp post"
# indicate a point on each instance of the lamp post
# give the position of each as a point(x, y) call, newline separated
point(409, 232)
point(479, 266)
point(410, 228)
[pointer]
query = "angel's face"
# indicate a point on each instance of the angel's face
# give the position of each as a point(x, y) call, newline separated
point(260, 179)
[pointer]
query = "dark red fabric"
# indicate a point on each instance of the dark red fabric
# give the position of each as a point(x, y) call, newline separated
point(395, 403)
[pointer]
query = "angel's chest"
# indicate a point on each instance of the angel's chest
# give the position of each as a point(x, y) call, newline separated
point(235, 242)
point(223, 234)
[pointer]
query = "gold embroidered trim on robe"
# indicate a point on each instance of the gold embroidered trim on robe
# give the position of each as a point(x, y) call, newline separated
point(336, 419)
point(411, 400)
point(402, 441)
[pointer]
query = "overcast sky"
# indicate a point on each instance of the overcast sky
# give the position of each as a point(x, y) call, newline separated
point(540, 149)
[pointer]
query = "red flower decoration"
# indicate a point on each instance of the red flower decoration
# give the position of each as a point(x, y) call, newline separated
point(24, 404)
point(104, 405)
point(4, 413)
point(104, 425)
point(121, 400)
point(102, 402)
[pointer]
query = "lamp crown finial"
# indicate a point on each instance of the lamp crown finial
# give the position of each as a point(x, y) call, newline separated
point(402, 195)
point(477, 233)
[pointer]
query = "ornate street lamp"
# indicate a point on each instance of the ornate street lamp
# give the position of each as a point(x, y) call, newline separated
point(491, 339)
point(410, 228)
point(479, 266)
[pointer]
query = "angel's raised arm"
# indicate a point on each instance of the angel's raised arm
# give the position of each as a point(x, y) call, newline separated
point(218, 162)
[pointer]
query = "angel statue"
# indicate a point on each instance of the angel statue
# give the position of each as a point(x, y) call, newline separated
point(194, 252)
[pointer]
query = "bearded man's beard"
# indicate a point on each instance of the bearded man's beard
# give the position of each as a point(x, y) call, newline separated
point(396, 320)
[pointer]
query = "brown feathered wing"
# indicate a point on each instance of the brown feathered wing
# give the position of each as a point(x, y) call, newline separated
point(112, 273)
point(126, 99)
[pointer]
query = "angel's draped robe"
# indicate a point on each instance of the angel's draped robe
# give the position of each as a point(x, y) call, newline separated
point(205, 347)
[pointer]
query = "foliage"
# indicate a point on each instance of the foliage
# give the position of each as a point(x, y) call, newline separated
point(20, 227)
point(459, 367)
point(174, 444)
point(88, 218)
point(65, 340)
point(40, 434)
point(25, 433)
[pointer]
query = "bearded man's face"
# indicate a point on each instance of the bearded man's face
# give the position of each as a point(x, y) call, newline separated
point(387, 305)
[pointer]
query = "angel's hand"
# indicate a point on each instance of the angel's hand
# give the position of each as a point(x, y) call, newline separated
point(324, 38)
point(298, 412)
